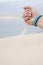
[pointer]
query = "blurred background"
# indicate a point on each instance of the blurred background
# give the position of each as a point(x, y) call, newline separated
point(12, 27)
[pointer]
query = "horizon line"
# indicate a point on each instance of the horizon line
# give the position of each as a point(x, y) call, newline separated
point(10, 17)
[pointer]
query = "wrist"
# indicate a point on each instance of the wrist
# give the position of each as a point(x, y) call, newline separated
point(40, 22)
point(35, 22)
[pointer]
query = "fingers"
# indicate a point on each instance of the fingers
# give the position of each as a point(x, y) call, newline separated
point(27, 7)
point(27, 15)
point(27, 11)
point(26, 19)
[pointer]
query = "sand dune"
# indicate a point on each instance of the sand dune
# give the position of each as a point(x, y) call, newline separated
point(22, 50)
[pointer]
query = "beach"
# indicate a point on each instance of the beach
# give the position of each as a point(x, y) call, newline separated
point(19, 45)
point(22, 50)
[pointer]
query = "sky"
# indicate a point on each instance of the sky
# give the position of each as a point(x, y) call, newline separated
point(21, 0)
point(38, 1)
point(15, 7)
point(11, 6)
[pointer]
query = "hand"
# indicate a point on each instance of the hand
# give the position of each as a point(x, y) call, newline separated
point(29, 14)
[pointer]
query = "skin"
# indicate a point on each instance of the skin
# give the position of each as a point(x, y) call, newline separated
point(29, 15)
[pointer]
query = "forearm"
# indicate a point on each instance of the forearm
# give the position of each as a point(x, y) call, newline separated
point(40, 22)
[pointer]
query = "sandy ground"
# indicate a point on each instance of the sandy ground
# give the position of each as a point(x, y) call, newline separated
point(22, 50)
